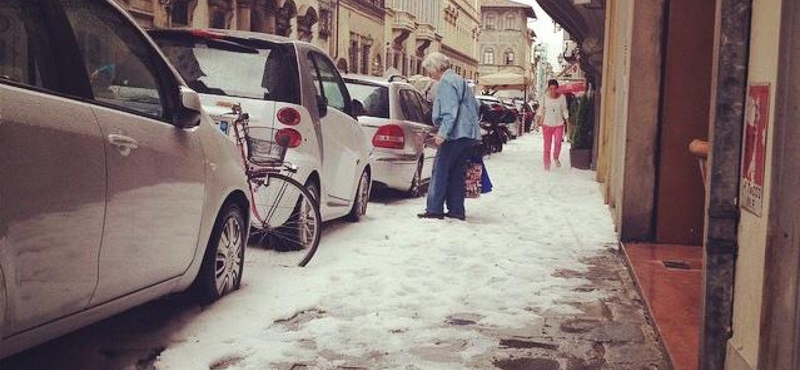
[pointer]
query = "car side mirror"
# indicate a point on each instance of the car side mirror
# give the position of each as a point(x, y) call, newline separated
point(322, 106)
point(356, 108)
point(188, 114)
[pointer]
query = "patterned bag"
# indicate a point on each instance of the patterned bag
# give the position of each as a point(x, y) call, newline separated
point(472, 184)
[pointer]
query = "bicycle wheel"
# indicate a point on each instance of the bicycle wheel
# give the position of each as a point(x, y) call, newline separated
point(287, 219)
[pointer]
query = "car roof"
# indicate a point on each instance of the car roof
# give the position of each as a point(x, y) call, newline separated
point(228, 33)
point(374, 80)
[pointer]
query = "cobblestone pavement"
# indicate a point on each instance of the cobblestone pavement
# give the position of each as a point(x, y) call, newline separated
point(610, 333)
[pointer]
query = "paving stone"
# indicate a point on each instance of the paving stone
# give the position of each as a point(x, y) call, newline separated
point(632, 353)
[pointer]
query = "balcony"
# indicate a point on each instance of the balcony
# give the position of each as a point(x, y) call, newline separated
point(404, 21)
point(427, 32)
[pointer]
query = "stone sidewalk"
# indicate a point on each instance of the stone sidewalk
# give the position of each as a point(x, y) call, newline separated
point(611, 333)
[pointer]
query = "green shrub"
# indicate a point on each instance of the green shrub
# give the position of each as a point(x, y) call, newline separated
point(582, 117)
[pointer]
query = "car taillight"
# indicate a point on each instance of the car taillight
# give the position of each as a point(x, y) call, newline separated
point(289, 116)
point(389, 136)
point(205, 34)
point(288, 136)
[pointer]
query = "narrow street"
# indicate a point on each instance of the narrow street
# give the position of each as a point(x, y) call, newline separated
point(532, 280)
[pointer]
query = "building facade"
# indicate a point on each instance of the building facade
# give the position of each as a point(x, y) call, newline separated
point(725, 72)
point(307, 20)
point(361, 36)
point(505, 41)
point(460, 28)
point(412, 32)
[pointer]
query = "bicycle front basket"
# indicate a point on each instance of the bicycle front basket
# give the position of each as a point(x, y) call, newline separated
point(262, 148)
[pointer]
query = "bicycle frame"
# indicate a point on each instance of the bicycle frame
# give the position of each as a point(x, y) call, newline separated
point(255, 179)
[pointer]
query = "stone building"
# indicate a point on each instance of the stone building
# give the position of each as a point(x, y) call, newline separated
point(307, 20)
point(361, 35)
point(505, 41)
point(460, 24)
point(412, 31)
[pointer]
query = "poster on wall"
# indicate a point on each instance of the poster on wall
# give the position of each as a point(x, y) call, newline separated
point(755, 147)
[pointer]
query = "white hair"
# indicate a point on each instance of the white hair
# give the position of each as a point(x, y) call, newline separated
point(436, 62)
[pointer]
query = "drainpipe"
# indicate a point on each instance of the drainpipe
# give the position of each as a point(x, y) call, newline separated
point(336, 51)
point(732, 41)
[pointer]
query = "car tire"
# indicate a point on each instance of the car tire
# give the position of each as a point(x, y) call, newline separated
point(361, 199)
point(416, 190)
point(223, 262)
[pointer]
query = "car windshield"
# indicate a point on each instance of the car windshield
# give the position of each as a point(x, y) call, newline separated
point(374, 98)
point(225, 68)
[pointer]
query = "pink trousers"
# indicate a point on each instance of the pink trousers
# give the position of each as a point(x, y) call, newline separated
point(552, 134)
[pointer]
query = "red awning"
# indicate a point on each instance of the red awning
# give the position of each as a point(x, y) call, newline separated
point(572, 88)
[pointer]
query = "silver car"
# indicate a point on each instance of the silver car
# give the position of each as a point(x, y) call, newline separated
point(397, 119)
point(116, 187)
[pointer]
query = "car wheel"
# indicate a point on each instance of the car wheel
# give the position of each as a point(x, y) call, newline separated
point(223, 263)
point(415, 191)
point(362, 198)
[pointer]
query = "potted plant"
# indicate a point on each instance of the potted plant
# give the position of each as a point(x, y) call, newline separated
point(580, 153)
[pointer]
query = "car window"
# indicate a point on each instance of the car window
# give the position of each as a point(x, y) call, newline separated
point(375, 98)
point(332, 86)
point(117, 59)
point(411, 108)
point(425, 113)
point(238, 68)
point(25, 52)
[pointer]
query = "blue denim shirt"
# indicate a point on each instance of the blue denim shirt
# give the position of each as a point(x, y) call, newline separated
point(446, 107)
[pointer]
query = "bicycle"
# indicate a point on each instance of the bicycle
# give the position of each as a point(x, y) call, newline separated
point(286, 214)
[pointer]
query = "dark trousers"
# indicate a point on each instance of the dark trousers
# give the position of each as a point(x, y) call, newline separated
point(447, 182)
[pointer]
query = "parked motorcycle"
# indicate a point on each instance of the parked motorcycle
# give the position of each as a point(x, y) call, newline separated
point(494, 133)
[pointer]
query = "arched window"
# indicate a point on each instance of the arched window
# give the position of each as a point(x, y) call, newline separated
point(509, 57)
point(488, 56)
point(490, 21)
point(511, 21)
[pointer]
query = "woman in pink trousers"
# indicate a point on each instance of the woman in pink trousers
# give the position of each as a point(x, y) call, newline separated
point(552, 116)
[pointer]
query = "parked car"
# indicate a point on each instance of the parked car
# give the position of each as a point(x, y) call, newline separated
point(398, 120)
point(288, 85)
point(117, 188)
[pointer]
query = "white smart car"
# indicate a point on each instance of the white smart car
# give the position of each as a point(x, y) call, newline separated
point(287, 85)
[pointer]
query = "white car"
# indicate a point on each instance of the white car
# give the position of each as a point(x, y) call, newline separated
point(288, 85)
point(116, 187)
point(398, 120)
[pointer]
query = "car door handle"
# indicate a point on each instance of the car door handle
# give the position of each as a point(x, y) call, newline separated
point(123, 143)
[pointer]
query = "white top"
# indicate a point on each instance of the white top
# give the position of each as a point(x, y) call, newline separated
point(555, 111)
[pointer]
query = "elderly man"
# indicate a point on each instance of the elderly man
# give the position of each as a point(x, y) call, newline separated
point(455, 113)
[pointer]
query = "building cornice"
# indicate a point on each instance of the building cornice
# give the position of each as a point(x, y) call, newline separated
point(474, 14)
point(449, 50)
point(366, 8)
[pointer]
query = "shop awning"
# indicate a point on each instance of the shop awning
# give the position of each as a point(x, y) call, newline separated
point(572, 88)
point(503, 79)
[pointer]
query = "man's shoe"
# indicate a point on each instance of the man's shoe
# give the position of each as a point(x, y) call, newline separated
point(437, 216)
point(462, 218)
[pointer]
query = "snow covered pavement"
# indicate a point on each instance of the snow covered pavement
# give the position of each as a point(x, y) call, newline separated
point(531, 280)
